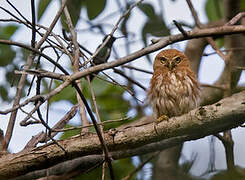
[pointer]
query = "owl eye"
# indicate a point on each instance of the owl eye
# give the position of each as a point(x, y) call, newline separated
point(177, 59)
point(163, 60)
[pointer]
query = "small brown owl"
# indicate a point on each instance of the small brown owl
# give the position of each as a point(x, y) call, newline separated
point(174, 88)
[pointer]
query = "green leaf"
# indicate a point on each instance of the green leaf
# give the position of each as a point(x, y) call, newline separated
point(6, 55)
point(66, 94)
point(220, 42)
point(7, 31)
point(110, 101)
point(70, 133)
point(94, 8)
point(4, 93)
point(74, 7)
point(42, 6)
point(123, 25)
point(214, 9)
point(242, 6)
point(156, 27)
point(148, 10)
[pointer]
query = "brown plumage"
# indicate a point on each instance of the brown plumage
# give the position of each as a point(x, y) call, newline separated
point(174, 88)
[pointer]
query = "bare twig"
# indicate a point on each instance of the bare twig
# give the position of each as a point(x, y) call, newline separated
point(75, 61)
point(42, 73)
point(209, 39)
point(235, 19)
point(213, 86)
point(129, 79)
point(101, 129)
point(137, 69)
point(91, 125)
point(225, 50)
point(180, 28)
point(239, 67)
point(228, 143)
point(33, 40)
point(20, 12)
point(41, 137)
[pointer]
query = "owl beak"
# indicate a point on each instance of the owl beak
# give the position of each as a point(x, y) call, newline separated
point(171, 65)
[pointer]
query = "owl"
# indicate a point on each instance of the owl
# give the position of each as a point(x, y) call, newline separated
point(174, 89)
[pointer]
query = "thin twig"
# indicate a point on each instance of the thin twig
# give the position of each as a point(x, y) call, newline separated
point(20, 12)
point(137, 69)
point(91, 125)
point(33, 40)
point(75, 62)
point(41, 137)
point(225, 50)
point(129, 79)
point(180, 28)
point(213, 86)
point(209, 39)
point(101, 126)
point(235, 19)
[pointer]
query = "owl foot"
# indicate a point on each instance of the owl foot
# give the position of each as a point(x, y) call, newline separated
point(162, 118)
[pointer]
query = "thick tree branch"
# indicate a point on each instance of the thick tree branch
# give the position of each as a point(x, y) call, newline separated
point(226, 114)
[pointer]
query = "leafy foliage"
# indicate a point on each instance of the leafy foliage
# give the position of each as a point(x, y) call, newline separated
point(70, 133)
point(214, 9)
point(7, 54)
point(42, 6)
point(123, 26)
point(155, 24)
point(67, 94)
point(94, 7)
point(74, 7)
point(109, 99)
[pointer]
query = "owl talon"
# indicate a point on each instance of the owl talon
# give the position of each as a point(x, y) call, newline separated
point(162, 118)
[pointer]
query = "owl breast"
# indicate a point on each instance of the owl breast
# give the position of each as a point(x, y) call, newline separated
point(173, 94)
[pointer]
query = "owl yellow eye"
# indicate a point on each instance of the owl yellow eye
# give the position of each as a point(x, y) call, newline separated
point(177, 59)
point(163, 60)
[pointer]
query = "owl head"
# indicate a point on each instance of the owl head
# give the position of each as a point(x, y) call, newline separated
point(170, 60)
